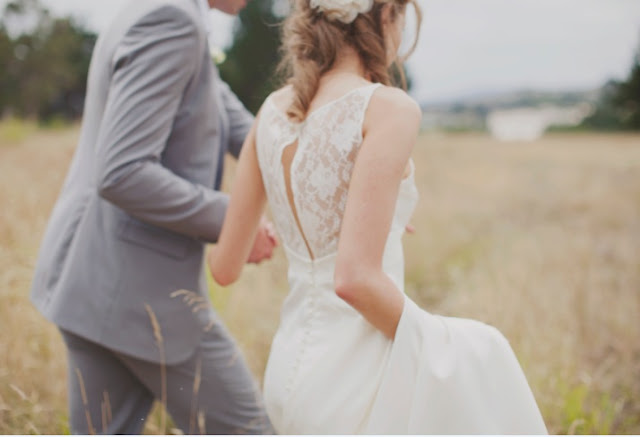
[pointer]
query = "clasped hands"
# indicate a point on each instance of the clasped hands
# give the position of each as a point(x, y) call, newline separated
point(264, 243)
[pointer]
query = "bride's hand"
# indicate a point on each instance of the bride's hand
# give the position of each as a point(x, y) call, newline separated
point(264, 243)
point(410, 229)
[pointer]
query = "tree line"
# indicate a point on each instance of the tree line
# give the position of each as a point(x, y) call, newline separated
point(44, 62)
point(619, 104)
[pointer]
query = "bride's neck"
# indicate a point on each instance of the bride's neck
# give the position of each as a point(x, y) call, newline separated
point(347, 63)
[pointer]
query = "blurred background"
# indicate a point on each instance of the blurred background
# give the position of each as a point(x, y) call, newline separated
point(528, 167)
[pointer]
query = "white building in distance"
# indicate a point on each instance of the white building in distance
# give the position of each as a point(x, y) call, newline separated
point(530, 123)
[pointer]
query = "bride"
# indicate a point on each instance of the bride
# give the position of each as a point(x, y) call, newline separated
point(330, 153)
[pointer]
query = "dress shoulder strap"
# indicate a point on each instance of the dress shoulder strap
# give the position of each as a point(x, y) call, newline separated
point(367, 92)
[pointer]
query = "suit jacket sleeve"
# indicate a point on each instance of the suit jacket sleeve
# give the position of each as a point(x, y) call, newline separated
point(240, 119)
point(151, 68)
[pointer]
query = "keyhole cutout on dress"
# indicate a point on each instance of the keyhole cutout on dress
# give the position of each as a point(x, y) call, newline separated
point(288, 154)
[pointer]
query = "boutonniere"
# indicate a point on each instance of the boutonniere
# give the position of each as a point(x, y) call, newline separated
point(218, 55)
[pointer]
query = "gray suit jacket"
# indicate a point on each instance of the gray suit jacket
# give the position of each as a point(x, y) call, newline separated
point(139, 203)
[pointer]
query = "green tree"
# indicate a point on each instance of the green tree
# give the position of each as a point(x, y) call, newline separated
point(605, 117)
point(67, 53)
point(627, 97)
point(46, 62)
point(7, 83)
point(619, 105)
point(253, 57)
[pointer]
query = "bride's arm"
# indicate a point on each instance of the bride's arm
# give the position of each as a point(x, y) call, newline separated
point(390, 131)
point(241, 233)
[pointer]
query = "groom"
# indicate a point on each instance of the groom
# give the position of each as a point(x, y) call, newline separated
point(120, 267)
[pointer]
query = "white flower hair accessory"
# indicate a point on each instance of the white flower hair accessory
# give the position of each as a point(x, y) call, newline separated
point(342, 10)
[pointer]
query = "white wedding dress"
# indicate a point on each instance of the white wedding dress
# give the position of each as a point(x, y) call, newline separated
point(329, 370)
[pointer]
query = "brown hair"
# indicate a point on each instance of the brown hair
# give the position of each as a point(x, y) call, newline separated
point(311, 43)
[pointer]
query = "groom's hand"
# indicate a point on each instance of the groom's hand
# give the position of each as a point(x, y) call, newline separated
point(264, 243)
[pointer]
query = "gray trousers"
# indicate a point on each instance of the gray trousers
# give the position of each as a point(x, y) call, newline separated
point(212, 392)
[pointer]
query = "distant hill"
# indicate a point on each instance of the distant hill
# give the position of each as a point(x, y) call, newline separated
point(514, 99)
point(531, 109)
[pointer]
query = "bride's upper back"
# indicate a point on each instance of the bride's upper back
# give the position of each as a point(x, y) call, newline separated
point(306, 166)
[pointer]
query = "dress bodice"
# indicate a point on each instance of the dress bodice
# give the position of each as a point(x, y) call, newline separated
point(327, 144)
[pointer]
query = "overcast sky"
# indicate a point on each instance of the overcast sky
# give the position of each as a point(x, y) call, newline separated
point(479, 46)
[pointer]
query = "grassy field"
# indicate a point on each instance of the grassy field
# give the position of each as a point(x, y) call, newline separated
point(540, 239)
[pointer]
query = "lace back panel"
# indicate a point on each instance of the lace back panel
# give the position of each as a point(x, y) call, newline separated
point(324, 149)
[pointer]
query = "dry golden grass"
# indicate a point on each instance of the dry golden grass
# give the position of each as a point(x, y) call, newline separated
point(539, 239)
point(32, 366)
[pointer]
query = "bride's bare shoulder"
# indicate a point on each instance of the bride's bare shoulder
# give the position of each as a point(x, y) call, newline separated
point(388, 102)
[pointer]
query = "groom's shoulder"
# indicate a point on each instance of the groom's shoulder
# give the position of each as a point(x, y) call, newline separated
point(186, 6)
point(153, 5)
point(177, 9)
point(181, 12)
